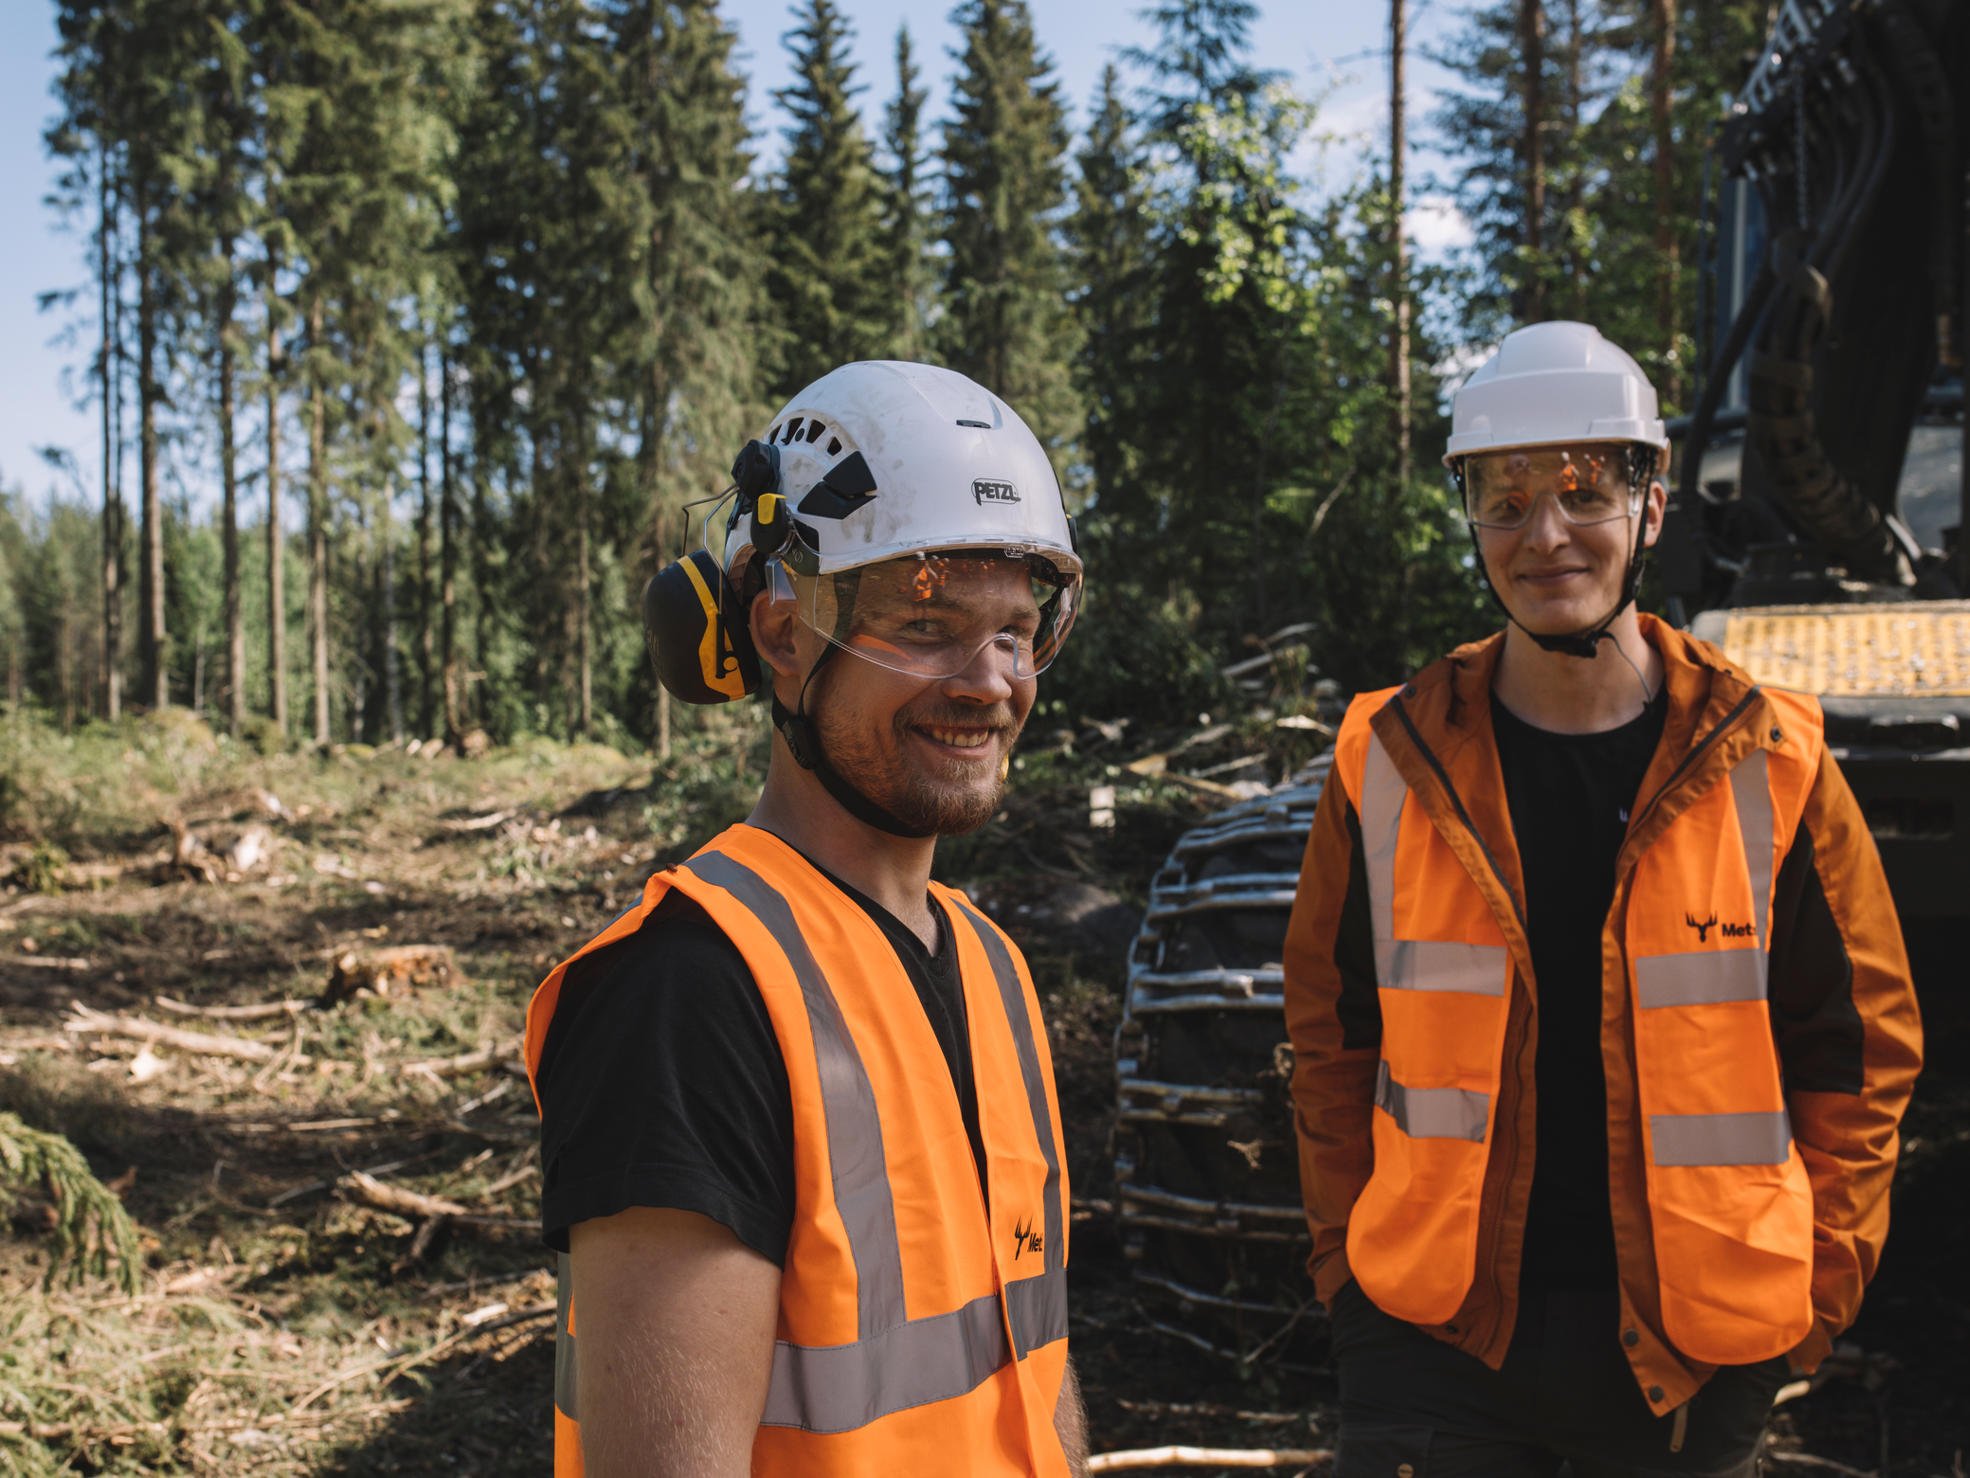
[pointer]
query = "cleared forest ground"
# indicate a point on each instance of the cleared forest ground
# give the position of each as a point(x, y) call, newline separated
point(337, 1197)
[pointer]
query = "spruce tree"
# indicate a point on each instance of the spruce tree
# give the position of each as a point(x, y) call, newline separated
point(1199, 58)
point(687, 359)
point(1006, 322)
point(1228, 289)
point(830, 271)
point(908, 205)
point(1109, 239)
point(687, 362)
point(366, 183)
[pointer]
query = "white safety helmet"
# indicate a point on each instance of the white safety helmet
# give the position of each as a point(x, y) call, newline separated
point(1554, 384)
point(948, 464)
point(908, 516)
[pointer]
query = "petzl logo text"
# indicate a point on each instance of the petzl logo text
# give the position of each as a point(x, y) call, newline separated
point(1023, 1237)
point(987, 491)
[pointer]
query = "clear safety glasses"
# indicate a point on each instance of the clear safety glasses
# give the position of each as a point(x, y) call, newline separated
point(930, 615)
point(1588, 484)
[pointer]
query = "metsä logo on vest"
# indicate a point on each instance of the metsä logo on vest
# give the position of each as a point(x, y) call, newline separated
point(1023, 1237)
point(1729, 931)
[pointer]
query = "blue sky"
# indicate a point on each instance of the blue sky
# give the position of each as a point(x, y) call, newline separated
point(1334, 50)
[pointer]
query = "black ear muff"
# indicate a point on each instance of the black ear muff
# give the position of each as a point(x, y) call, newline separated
point(700, 641)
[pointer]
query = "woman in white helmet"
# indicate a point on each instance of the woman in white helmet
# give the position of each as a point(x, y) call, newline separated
point(800, 1141)
point(1601, 1019)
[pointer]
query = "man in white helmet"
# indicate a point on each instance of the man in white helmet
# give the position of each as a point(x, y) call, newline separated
point(1601, 1018)
point(800, 1141)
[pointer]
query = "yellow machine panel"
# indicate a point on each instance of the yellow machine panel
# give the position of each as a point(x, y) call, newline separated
point(1874, 651)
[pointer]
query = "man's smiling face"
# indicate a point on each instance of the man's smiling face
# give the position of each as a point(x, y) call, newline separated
point(933, 751)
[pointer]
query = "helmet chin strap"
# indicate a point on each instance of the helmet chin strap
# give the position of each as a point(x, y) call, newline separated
point(1586, 642)
point(804, 743)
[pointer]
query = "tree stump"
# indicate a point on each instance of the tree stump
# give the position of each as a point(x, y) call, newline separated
point(386, 972)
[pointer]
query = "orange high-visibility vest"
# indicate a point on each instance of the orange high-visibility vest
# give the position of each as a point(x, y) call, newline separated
point(921, 1329)
point(1730, 1207)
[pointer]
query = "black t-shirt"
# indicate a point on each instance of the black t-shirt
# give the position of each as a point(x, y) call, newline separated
point(662, 1083)
point(1570, 796)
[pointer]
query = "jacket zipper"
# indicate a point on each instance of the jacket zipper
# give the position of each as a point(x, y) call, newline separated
point(1641, 815)
point(1691, 758)
point(1510, 1165)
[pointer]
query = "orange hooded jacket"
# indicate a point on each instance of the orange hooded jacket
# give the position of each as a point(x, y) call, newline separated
point(1752, 1105)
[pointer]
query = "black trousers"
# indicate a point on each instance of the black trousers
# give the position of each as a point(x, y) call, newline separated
point(1565, 1401)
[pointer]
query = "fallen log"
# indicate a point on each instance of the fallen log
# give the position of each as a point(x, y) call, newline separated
point(263, 1011)
point(373, 1192)
point(1784, 1459)
point(466, 1062)
point(468, 824)
point(1208, 1457)
point(89, 1022)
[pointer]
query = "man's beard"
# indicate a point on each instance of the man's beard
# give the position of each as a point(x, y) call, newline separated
point(917, 799)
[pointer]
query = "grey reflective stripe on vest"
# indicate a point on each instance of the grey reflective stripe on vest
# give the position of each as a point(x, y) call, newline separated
point(855, 1158)
point(1411, 964)
point(1440, 964)
point(566, 1384)
point(1382, 797)
point(838, 1388)
point(1432, 1113)
point(1704, 977)
point(1721, 1139)
point(1751, 788)
point(1012, 995)
point(1036, 1308)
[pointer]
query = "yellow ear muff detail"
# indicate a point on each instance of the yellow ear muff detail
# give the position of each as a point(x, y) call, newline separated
point(698, 642)
point(715, 660)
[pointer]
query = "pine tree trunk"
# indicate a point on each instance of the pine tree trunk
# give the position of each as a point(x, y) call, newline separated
point(155, 641)
point(426, 642)
point(448, 553)
point(318, 523)
point(586, 718)
point(649, 454)
point(1398, 243)
point(386, 634)
point(543, 571)
point(481, 590)
point(1532, 51)
point(1576, 267)
point(108, 378)
point(229, 501)
point(663, 693)
point(276, 572)
point(1668, 267)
